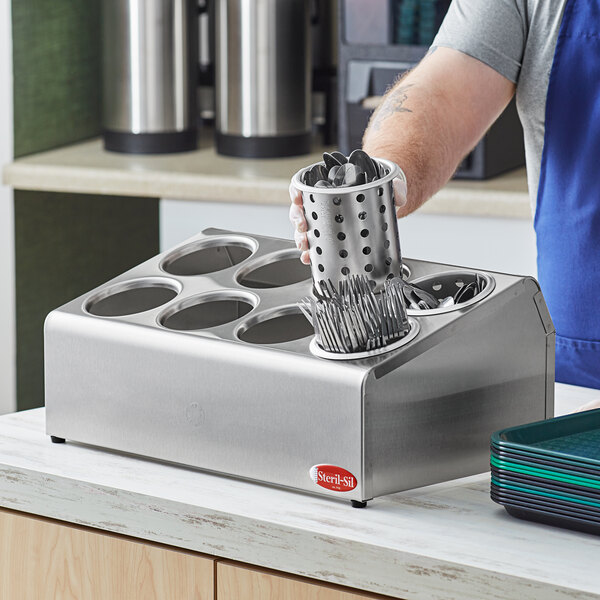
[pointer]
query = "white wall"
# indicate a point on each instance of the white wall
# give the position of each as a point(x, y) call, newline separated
point(505, 245)
point(7, 287)
point(181, 219)
point(493, 244)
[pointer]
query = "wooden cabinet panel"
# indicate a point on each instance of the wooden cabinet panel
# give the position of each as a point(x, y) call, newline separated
point(42, 559)
point(237, 582)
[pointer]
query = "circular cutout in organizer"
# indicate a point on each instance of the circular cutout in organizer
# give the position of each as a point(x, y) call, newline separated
point(209, 255)
point(277, 326)
point(132, 297)
point(276, 270)
point(207, 310)
point(443, 285)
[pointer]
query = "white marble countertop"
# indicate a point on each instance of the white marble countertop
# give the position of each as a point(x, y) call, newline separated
point(441, 542)
point(203, 175)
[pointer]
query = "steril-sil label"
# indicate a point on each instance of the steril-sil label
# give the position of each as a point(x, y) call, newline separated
point(333, 478)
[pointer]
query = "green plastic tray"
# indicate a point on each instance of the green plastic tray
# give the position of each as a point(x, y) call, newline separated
point(570, 437)
point(555, 475)
point(552, 488)
point(521, 511)
point(569, 463)
point(584, 512)
point(546, 462)
point(547, 484)
point(545, 493)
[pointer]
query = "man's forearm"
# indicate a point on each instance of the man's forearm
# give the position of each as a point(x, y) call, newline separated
point(433, 117)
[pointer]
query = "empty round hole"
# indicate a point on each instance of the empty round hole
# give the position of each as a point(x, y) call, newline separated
point(280, 271)
point(315, 216)
point(319, 250)
point(362, 215)
point(380, 191)
point(388, 261)
point(386, 244)
point(390, 276)
point(337, 201)
point(339, 218)
point(343, 253)
point(291, 325)
point(317, 233)
point(131, 297)
point(341, 236)
point(366, 250)
point(202, 313)
point(312, 198)
point(199, 259)
point(437, 286)
point(345, 270)
point(360, 197)
point(364, 233)
point(368, 268)
point(384, 227)
point(382, 208)
point(321, 268)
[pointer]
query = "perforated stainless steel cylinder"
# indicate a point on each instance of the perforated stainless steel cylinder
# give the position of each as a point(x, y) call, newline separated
point(353, 230)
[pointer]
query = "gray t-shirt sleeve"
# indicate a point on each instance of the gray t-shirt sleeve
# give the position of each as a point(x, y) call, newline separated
point(492, 31)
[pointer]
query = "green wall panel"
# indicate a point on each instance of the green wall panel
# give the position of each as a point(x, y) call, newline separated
point(56, 71)
point(67, 244)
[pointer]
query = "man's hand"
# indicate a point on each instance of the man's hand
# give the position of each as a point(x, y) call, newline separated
point(426, 124)
point(299, 222)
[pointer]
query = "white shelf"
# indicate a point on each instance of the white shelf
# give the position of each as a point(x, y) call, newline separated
point(203, 175)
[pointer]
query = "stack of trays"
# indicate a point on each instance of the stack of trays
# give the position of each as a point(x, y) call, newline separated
point(549, 471)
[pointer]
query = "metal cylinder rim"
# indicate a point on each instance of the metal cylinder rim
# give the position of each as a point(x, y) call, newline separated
point(224, 295)
point(144, 282)
point(218, 241)
point(395, 171)
point(264, 316)
point(318, 351)
point(487, 290)
point(253, 264)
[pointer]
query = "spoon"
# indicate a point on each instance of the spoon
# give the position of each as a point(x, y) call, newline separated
point(363, 161)
point(330, 161)
point(339, 157)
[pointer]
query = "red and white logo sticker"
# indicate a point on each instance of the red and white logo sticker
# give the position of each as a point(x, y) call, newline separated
point(333, 478)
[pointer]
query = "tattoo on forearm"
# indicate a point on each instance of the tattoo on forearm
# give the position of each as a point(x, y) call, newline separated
point(393, 103)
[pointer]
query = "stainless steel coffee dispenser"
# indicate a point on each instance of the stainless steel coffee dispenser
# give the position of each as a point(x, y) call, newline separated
point(263, 77)
point(150, 62)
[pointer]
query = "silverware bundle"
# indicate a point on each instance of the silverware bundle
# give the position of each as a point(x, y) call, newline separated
point(352, 318)
point(420, 299)
point(338, 171)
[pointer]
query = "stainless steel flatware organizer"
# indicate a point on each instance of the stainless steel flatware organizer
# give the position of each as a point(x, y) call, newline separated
point(200, 356)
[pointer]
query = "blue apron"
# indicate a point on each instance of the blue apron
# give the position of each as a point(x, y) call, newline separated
point(567, 220)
